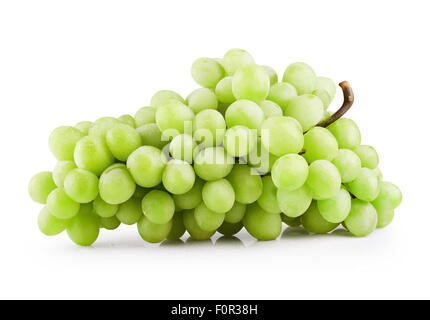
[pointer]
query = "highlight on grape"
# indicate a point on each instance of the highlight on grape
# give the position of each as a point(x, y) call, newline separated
point(244, 150)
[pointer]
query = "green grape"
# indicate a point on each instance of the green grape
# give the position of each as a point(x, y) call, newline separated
point(151, 135)
point(178, 177)
point(247, 184)
point(245, 113)
point(193, 228)
point(207, 72)
point(218, 195)
point(50, 225)
point(385, 211)
point(235, 59)
point(294, 203)
point(182, 148)
point(84, 229)
point(368, 156)
point(307, 109)
point(102, 126)
point(281, 93)
point(172, 118)
point(320, 144)
point(146, 166)
point(239, 141)
point(348, 164)
point(122, 140)
point(201, 99)
point(178, 228)
point(290, 172)
point(190, 199)
point(224, 90)
point(291, 222)
point(130, 211)
point(366, 186)
point(324, 97)
point(268, 200)
point(128, 120)
point(362, 219)
point(346, 132)
point(281, 135)
point(213, 163)
point(62, 142)
point(62, 168)
point(145, 115)
point(236, 213)
point(391, 192)
point(84, 126)
point(209, 128)
point(271, 73)
point(378, 173)
point(152, 232)
point(326, 84)
point(40, 186)
point(220, 62)
point(110, 223)
point(92, 154)
point(81, 185)
point(164, 96)
point(301, 76)
point(335, 209)
point(207, 219)
point(313, 221)
point(104, 209)
point(116, 184)
point(270, 109)
point(229, 229)
point(158, 207)
point(60, 172)
point(261, 224)
point(61, 205)
point(323, 180)
point(261, 159)
point(251, 83)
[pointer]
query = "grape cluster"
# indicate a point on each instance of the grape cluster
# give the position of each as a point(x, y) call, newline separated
point(244, 150)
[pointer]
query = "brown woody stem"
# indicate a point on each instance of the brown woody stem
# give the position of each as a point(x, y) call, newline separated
point(348, 100)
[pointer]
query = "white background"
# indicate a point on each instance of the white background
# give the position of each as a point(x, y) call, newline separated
point(66, 61)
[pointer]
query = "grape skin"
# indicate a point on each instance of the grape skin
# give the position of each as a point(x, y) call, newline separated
point(294, 203)
point(362, 219)
point(301, 76)
point(281, 135)
point(313, 221)
point(319, 144)
point(366, 186)
point(323, 180)
point(40, 186)
point(261, 224)
point(218, 195)
point(163, 96)
point(281, 93)
point(290, 172)
point(252, 83)
point(193, 228)
point(346, 132)
point(307, 109)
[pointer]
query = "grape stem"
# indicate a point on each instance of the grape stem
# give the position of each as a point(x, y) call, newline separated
point(348, 100)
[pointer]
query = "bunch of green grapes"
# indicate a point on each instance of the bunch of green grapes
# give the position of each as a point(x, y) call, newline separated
point(242, 151)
